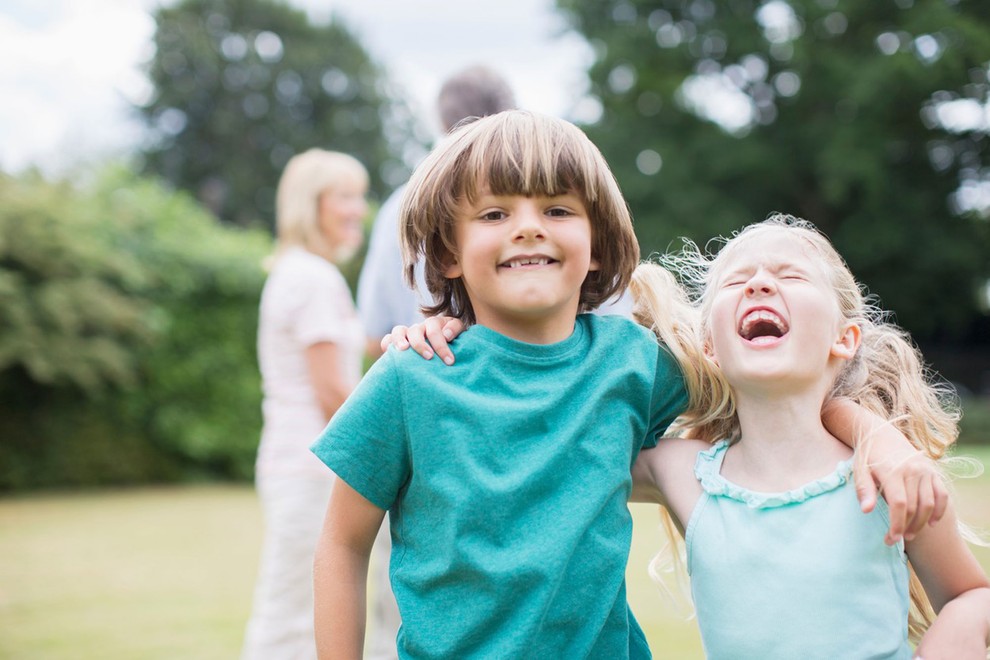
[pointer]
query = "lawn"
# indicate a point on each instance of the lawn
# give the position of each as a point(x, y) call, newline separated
point(168, 572)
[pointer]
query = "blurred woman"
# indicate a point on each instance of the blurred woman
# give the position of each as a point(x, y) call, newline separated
point(310, 348)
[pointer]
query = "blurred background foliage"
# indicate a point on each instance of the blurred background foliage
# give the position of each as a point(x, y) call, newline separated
point(243, 85)
point(714, 114)
point(127, 335)
point(128, 296)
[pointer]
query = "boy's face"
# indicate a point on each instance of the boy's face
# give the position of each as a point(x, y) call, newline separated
point(523, 261)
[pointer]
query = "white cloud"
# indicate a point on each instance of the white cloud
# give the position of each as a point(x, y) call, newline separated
point(69, 69)
point(64, 76)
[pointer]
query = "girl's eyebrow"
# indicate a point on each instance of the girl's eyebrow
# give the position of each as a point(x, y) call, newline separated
point(773, 267)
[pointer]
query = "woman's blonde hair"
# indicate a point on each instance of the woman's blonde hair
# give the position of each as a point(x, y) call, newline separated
point(305, 178)
point(513, 153)
point(887, 375)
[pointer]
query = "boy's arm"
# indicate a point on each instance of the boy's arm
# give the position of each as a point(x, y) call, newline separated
point(958, 589)
point(911, 484)
point(340, 573)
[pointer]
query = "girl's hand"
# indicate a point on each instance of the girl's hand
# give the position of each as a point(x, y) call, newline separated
point(432, 335)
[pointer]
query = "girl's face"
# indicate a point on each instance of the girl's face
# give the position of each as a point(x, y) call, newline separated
point(774, 320)
point(341, 212)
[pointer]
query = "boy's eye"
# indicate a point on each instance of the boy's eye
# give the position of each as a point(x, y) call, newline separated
point(558, 212)
point(493, 215)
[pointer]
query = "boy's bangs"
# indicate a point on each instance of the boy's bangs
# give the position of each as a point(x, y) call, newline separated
point(547, 164)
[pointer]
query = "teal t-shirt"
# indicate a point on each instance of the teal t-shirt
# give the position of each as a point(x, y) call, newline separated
point(799, 574)
point(506, 477)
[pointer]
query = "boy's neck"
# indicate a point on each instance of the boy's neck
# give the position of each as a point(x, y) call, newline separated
point(541, 330)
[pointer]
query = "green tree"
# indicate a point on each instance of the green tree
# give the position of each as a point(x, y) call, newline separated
point(714, 114)
point(243, 85)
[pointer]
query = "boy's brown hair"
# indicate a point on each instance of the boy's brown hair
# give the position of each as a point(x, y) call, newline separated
point(515, 152)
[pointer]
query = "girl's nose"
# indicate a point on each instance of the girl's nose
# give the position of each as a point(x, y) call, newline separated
point(760, 284)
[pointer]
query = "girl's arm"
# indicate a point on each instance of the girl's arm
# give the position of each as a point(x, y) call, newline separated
point(426, 338)
point(664, 475)
point(911, 484)
point(340, 573)
point(326, 376)
point(958, 590)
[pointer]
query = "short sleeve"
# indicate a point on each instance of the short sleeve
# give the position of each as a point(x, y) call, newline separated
point(365, 443)
point(670, 397)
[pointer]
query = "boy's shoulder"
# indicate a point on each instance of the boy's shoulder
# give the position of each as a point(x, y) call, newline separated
point(613, 327)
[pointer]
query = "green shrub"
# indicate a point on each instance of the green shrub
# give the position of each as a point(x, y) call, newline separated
point(128, 318)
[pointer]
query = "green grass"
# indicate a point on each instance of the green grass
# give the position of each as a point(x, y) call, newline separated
point(168, 573)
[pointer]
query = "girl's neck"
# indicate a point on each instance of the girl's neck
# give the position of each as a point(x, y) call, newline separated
point(783, 442)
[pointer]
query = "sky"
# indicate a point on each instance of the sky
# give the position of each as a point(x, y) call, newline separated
point(70, 70)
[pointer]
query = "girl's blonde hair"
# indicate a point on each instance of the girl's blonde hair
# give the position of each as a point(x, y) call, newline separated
point(305, 178)
point(515, 152)
point(887, 375)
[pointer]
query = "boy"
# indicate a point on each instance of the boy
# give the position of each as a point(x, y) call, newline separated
point(507, 475)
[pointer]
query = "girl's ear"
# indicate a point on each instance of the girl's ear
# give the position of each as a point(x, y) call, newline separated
point(847, 343)
point(709, 352)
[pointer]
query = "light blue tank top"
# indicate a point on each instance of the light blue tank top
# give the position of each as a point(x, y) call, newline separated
point(800, 574)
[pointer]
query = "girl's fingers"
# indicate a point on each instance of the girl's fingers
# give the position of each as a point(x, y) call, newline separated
point(416, 336)
point(396, 338)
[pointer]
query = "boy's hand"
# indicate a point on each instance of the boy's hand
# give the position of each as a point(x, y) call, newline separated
point(432, 335)
point(911, 485)
point(909, 480)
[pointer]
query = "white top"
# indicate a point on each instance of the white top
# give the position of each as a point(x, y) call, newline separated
point(305, 301)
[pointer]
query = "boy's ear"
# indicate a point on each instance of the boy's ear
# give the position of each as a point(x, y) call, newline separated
point(847, 343)
point(452, 268)
point(594, 265)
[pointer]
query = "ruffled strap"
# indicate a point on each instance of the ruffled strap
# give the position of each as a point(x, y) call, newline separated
point(708, 466)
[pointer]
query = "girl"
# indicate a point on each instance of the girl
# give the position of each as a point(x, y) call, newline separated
point(783, 563)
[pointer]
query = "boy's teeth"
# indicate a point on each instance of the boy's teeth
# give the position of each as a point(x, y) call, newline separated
point(516, 263)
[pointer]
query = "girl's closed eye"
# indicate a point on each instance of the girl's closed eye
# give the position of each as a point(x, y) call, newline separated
point(734, 280)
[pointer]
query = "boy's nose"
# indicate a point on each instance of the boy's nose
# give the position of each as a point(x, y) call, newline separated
point(529, 225)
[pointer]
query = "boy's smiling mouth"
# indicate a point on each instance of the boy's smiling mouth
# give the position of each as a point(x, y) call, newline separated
point(762, 325)
point(522, 262)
